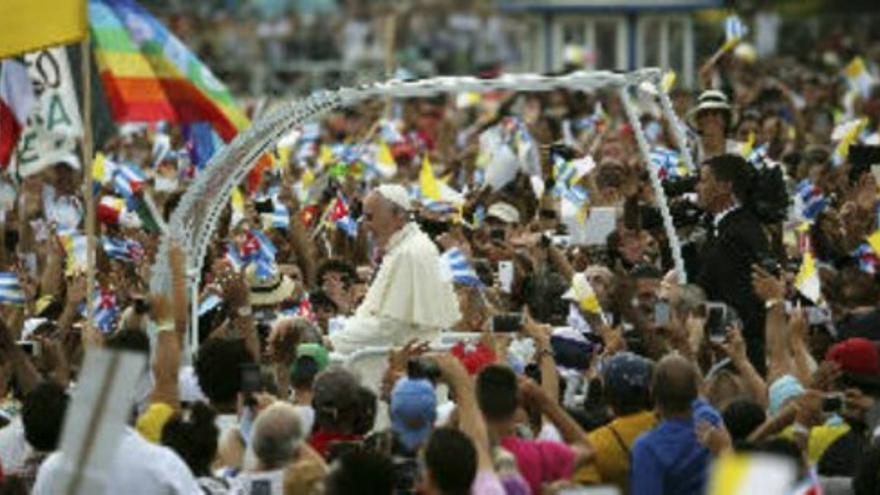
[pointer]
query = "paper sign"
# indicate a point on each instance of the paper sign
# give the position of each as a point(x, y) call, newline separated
point(95, 420)
point(51, 133)
point(594, 232)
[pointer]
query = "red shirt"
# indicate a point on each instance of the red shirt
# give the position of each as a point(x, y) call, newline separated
point(321, 441)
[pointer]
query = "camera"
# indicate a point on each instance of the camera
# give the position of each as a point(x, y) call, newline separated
point(678, 186)
point(685, 213)
point(422, 369)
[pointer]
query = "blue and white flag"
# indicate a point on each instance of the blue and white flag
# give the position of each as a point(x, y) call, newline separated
point(813, 200)
point(10, 289)
point(734, 29)
point(209, 303)
point(462, 271)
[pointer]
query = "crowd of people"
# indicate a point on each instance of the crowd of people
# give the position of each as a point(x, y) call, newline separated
point(278, 47)
point(456, 234)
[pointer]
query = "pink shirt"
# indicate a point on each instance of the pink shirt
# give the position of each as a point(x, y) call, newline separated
point(541, 461)
point(487, 483)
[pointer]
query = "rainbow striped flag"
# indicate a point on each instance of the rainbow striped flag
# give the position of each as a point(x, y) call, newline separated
point(149, 75)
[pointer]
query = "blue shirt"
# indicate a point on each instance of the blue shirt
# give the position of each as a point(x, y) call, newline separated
point(669, 460)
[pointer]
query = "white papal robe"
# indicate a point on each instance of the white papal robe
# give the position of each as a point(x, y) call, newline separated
point(409, 298)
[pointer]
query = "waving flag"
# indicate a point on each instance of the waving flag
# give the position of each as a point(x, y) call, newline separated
point(106, 310)
point(126, 250)
point(279, 218)
point(201, 143)
point(103, 170)
point(236, 201)
point(566, 173)
point(858, 77)
point(582, 293)
point(267, 250)
point(428, 184)
point(758, 156)
point(10, 289)
point(233, 257)
point(846, 134)
point(742, 474)
point(210, 302)
point(384, 162)
point(460, 268)
point(575, 204)
point(30, 25)
point(340, 216)
point(76, 247)
point(667, 162)
point(734, 31)
point(128, 180)
point(16, 102)
point(807, 280)
point(149, 75)
point(812, 199)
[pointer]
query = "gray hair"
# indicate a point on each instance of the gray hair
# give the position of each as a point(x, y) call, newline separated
point(277, 436)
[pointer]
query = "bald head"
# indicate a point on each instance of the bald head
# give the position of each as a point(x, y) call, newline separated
point(277, 436)
point(675, 386)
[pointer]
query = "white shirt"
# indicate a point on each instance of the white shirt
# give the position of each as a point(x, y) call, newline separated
point(139, 468)
point(14, 448)
point(255, 483)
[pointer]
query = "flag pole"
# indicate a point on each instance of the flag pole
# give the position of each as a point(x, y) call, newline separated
point(88, 190)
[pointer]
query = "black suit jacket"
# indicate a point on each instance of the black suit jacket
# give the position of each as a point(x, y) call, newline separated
point(726, 275)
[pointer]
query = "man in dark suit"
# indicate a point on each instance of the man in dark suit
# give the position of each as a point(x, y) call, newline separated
point(734, 243)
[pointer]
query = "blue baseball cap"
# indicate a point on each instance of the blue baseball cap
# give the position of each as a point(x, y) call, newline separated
point(413, 411)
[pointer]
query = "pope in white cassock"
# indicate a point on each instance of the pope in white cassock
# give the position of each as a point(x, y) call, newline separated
point(409, 297)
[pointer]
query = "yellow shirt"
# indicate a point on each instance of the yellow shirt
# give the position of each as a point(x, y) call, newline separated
point(150, 423)
point(611, 464)
point(821, 437)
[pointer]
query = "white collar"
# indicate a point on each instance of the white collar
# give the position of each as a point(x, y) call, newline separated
point(720, 216)
point(398, 237)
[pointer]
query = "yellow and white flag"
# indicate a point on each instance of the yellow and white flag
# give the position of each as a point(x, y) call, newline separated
point(31, 25)
point(428, 184)
point(807, 280)
point(582, 293)
point(743, 474)
point(859, 78)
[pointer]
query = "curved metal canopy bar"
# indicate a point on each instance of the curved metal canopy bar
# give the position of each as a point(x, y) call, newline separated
point(195, 219)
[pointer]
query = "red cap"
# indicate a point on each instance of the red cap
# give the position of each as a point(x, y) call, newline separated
point(858, 356)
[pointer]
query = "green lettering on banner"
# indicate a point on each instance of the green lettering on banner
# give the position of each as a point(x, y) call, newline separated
point(25, 146)
point(57, 113)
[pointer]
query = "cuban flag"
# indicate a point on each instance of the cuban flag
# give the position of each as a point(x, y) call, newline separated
point(813, 201)
point(279, 218)
point(340, 216)
point(233, 257)
point(758, 156)
point(667, 162)
point(126, 250)
point(106, 310)
point(128, 180)
point(10, 289)
point(462, 272)
point(266, 250)
point(209, 303)
point(867, 258)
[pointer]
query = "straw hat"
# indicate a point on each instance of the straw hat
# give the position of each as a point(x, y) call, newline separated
point(269, 290)
point(711, 99)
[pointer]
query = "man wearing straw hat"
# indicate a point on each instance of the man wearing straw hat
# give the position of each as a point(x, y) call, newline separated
point(409, 297)
point(713, 119)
